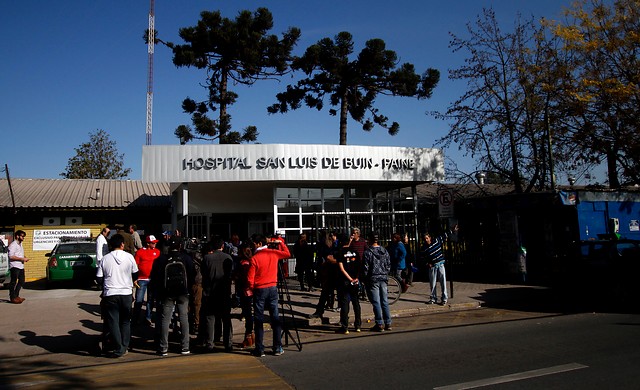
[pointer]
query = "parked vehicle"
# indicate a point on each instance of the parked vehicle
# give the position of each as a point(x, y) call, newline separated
point(5, 275)
point(609, 267)
point(72, 260)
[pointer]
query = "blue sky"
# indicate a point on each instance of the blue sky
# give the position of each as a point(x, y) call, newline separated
point(70, 67)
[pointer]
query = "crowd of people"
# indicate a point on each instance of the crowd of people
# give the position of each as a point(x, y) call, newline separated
point(191, 287)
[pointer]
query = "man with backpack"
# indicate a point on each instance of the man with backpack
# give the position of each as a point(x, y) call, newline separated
point(172, 277)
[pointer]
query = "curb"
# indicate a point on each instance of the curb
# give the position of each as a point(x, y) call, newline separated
point(334, 317)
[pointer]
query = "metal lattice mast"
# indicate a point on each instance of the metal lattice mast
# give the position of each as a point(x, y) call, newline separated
point(150, 44)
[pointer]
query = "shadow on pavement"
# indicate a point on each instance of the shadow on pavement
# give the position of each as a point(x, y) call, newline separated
point(76, 342)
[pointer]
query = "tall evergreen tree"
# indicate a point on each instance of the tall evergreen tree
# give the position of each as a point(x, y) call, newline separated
point(352, 85)
point(236, 51)
point(97, 159)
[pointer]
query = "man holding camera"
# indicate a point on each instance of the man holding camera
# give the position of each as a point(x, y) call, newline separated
point(262, 282)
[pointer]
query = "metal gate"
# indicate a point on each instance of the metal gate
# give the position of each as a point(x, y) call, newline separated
point(385, 223)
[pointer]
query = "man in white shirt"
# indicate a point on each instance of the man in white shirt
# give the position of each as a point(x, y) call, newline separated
point(116, 272)
point(16, 266)
point(102, 248)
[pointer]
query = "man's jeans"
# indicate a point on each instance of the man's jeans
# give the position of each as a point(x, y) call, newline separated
point(117, 320)
point(266, 298)
point(168, 304)
point(377, 293)
point(140, 292)
point(348, 292)
point(437, 274)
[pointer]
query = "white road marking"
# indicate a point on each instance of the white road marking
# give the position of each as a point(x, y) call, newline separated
point(514, 377)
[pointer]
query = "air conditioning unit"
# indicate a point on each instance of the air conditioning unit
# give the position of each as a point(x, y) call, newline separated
point(73, 220)
point(51, 221)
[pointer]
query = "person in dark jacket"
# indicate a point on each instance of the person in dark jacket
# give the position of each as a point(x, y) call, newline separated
point(216, 294)
point(375, 271)
point(168, 300)
point(303, 252)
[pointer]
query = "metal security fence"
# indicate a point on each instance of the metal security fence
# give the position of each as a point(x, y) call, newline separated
point(385, 223)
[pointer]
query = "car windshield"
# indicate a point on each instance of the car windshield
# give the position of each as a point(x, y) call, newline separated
point(79, 247)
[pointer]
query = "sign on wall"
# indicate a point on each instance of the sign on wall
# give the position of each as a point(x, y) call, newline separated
point(46, 239)
point(445, 203)
point(284, 162)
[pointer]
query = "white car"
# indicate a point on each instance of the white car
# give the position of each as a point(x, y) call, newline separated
point(5, 276)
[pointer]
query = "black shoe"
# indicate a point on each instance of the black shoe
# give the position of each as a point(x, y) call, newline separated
point(315, 315)
point(377, 328)
point(257, 353)
point(342, 331)
point(388, 327)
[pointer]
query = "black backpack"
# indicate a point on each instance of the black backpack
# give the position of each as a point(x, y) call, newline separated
point(175, 276)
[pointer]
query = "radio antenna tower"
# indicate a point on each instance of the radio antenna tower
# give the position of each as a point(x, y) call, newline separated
point(151, 41)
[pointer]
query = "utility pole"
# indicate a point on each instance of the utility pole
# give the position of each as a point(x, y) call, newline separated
point(150, 45)
point(13, 200)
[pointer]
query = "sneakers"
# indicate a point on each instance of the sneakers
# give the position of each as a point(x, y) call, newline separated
point(278, 351)
point(185, 352)
point(377, 328)
point(315, 315)
point(162, 353)
point(342, 331)
point(431, 302)
point(443, 303)
point(358, 330)
point(257, 353)
point(388, 327)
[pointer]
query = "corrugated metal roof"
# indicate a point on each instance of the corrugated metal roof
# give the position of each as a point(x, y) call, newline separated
point(81, 193)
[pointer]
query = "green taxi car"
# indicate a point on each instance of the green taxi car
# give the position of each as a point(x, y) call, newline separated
point(72, 260)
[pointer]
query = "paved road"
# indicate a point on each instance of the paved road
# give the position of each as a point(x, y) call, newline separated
point(581, 351)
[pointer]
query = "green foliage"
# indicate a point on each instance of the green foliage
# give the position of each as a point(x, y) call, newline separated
point(236, 51)
point(97, 159)
point(600, 86)
point(351, 85)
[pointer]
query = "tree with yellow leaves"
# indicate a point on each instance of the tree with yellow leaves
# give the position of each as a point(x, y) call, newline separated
point(600, 100)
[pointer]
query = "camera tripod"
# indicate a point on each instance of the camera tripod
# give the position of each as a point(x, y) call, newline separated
point(284, 298)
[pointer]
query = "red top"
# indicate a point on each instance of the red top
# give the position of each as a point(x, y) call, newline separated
point(144, 259)
point(263, 272)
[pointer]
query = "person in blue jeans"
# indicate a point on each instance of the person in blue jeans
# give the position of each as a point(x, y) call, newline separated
point(375, 271)
point(433, 253)
point(262, 284)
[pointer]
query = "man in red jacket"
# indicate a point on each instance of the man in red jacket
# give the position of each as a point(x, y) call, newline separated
point(262, 283)
point(144, 259)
